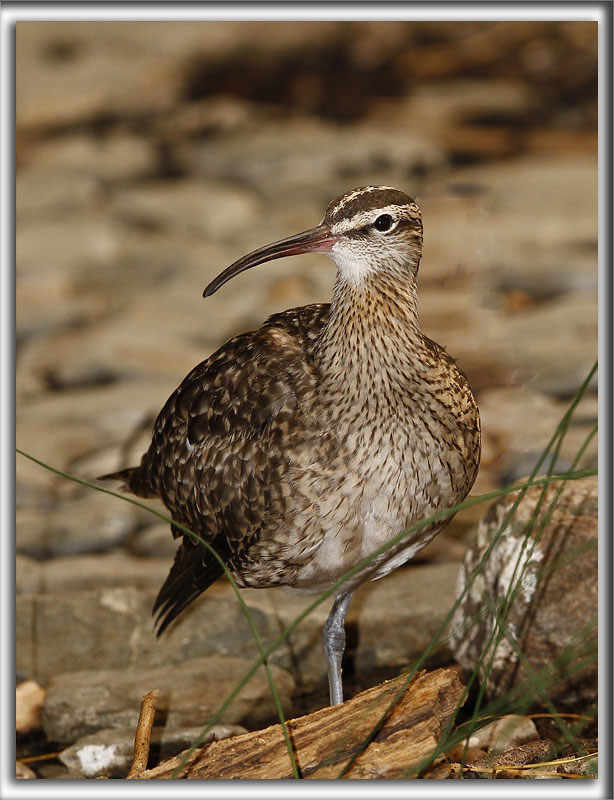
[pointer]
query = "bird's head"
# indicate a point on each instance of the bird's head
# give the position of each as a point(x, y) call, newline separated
point(365, 231)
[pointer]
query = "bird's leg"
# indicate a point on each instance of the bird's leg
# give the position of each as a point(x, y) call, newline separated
point(334, 645)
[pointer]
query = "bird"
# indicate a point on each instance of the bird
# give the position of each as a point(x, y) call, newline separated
point(297, 449)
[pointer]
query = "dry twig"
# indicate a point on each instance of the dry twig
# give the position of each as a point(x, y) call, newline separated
point(143, 734)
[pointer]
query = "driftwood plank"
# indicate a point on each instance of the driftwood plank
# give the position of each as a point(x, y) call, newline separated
point(324, 741)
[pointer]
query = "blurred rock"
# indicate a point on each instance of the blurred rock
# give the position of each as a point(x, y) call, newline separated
point(49, 254)
point(117, 156)
point(29, 698)
point(531, 211)
point(188, 207)
point(103, 619)
point(155, 541)
point(557, 364)
point(123, 409)
point(87, 524)
point(27, 574)
point(548, 278)
point(71, 72)
point(310, 153)
point(210, 115)
point(460, 100)
point(504, 733)
point(79, 703)
point(552, 620)
point(52, 770)
point(76, 71)
point(23, 772)
point(454, 320)
point(54, 444)
point(110, 752)
point(84, 572)
point(42, 192)
point(517, 424)
point(56, 245)
point(155, 339)
point(67, 631)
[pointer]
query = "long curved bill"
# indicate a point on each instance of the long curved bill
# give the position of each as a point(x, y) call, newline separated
point(315, 240)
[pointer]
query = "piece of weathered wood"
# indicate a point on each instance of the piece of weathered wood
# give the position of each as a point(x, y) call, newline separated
point(324, 742)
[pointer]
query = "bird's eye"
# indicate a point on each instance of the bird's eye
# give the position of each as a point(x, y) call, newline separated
point(383, 222)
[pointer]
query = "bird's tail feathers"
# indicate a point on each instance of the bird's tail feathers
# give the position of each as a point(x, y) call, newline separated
point(193, 571)
point(131, 481)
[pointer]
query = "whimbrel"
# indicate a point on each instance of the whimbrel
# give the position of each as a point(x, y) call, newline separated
point(297, 449)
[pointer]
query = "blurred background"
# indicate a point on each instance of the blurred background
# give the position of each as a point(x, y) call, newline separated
point(150, 155)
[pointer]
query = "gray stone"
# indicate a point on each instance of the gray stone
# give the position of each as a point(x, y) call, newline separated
point(132, 346)
point(67, 631)
point(63, 249)
point(23, 772)
point(517, 424)
point(45, 192)
point(79, 703)
point(110, 752)
point(420, 595)
point(88, 523)
point(111, 625)
point(435, 106)
point(81, 267)
point(29, 698)
point(117, 409)
point(510, 730)
point(76, 71)
point(548, 572)
point(155, 541)
point(103, 619)
point(311, 153)
point(187, 207)
point(118, 156)
point(54, 444)
point(555, 345)
point(539, 281)
point(85, 572)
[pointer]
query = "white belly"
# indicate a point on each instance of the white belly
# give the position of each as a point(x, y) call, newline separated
point(369, 508)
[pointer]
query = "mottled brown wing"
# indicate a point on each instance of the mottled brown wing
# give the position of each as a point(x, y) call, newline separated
point(218, 453)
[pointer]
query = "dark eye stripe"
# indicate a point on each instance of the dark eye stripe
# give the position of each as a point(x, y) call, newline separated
point(367, 230)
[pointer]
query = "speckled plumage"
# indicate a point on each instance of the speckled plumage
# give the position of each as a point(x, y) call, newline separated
point(301, 447)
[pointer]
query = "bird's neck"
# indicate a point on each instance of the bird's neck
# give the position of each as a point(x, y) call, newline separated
point(372, 339)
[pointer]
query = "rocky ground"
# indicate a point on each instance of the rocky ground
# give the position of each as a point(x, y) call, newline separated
point(150, 156)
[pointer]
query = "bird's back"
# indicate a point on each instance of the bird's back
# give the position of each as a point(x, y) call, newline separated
point(220, 450)
point(238, 396)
